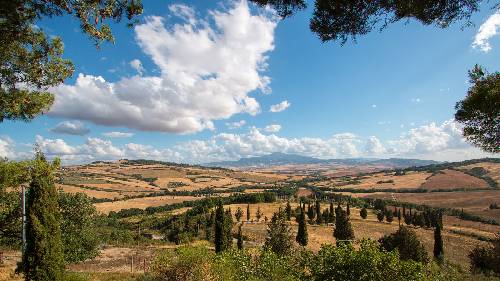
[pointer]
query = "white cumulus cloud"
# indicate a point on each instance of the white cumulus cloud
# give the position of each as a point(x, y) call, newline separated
point(486, 31)
point(208, 68)
point(71, 128)
point(118, 134)
point(280, 106)
point(273, 128)
point(7, 147)
point(236, 125)
point(442, 142)
point(137, 65)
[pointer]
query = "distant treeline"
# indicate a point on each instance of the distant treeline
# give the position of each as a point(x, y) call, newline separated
point(245, 198)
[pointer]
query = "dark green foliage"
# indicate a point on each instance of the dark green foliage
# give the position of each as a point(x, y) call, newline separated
point(348, 210)
point(343, 229)
point(43, 259)
point(363, 213)
point(220, 239)
point(278, 235)
point(438, 244)
point(302, 236)
point(228, 227)
point(479, 112)
point(340, 20)
point(406, 242)
point(248, 212)
point(310, 212)
point(407, 217)
point(494, 206)
point(486, 259)
point(319, 217)
point(238, 214)
point(326, 216)
point(78, 228)
point(389, 216)
point(288, 211)
point(380, 216)
point(240, 239)
point(210, 226)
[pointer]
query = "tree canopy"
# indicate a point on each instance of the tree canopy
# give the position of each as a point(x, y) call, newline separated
point(479, 111)
point(341, 20)
point(31, 62)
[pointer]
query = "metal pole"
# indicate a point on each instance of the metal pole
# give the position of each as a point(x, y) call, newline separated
point(24, 217)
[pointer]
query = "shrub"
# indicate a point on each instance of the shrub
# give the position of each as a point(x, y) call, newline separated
point(406, 242)
point(363, 213)
point(486, 259)
point(368, 263)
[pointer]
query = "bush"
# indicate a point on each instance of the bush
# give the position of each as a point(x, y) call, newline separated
point(368, 263)
point(406, 242)
point(486, 259)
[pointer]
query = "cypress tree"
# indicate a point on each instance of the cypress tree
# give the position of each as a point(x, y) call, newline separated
point(438, 244)
point(288, 211)
point(310, 212)
point(389, 216)
point(209, 226)
point(326, 216)
point(348, 211)
point(331, 209)
point(220, 239)
point(343, 229)
point(319, 218)
point(278, 235)
point(258, 214)
point(240, 239)
point(380, 216)
point(43, 259)
point(399, 217)
point(228, 227)
point(302, 236)
point(363, 213)
point(238, 214)
point(248, 212)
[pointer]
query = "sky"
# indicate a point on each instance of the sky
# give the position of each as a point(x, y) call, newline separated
point(201, 81)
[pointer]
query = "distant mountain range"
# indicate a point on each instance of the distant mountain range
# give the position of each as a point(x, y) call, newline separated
point(277, 159)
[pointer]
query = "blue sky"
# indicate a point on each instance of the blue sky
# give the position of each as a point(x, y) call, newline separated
point(194, 82)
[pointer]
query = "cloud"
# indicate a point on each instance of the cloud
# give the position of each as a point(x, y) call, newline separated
point(373, 146)
point(7, 147)
point(486, 31)
point(280, 106)
point(117, 135)
point(441, 142)
point(273, 128)
point(55, 146)
point(137, 65)
point(208, 69)
point(236, 125)
point(430, 138)
point(415, 100)
point(374, 106)
point(71, 128)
